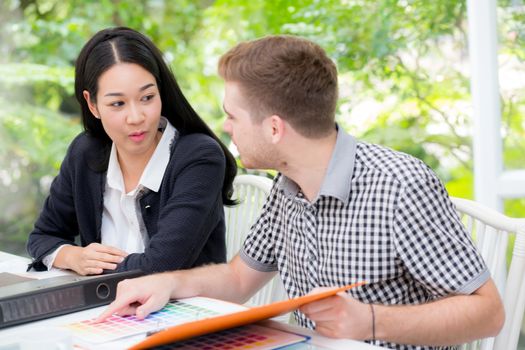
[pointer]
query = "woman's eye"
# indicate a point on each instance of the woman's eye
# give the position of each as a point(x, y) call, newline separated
point(117, 104)
point(148, 97)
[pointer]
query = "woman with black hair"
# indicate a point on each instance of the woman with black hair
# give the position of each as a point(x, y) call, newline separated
point(143, 187)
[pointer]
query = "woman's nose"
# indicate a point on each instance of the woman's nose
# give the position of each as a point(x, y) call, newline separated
point(135, 114)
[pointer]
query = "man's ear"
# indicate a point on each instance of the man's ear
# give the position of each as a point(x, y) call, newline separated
point(275, 128)
point(92, 107)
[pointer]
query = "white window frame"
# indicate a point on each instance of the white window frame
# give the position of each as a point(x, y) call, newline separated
point(492, 184)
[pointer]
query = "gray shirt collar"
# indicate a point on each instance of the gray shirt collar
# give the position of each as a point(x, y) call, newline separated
point(336, 182)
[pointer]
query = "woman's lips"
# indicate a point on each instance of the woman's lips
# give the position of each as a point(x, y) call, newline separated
point(137, 136)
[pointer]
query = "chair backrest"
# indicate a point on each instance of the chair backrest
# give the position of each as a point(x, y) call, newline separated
point(251, 191)
point(492, 233)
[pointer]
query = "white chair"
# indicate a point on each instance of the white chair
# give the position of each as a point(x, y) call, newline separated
point(251, 192)
point(492, 233)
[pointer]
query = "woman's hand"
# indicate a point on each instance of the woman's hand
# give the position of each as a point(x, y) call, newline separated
point(90, 260)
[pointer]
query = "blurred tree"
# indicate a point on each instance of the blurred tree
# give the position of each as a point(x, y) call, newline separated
point(404, 79)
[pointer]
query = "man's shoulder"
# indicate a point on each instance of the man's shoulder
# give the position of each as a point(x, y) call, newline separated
point(377, 160)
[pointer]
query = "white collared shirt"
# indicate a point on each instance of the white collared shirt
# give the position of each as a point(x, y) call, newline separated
point(122, 225)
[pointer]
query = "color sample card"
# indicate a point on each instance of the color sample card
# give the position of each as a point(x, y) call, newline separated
point(174, 313)
point(252, 337)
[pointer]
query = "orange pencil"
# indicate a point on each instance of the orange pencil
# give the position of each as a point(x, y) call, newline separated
point(219, 323)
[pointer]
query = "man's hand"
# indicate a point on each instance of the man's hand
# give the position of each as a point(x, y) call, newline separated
point(234, 282)
point(90, 260)
point(340, 316)
point(140, 296)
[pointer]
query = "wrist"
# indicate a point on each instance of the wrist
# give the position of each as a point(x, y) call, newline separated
point(183, 284)
point(372, 323)
point(381, 313)
point(64, 257)
point(175, 284)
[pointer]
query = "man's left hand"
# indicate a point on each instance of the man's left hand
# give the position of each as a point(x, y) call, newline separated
point(340, 316)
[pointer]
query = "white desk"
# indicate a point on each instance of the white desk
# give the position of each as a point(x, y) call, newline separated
point(18, 265)
point(15, 264)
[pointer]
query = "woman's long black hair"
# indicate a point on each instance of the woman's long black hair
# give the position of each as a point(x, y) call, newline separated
point(111, 46)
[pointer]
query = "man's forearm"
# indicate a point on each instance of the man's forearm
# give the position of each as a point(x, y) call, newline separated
point(453, 320)
point(214, 281)
point(234, 281)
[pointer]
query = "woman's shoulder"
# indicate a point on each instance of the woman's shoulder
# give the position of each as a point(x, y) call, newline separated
point(86, 150)
point(189, 148)
point(198, 141)
point(84, 142)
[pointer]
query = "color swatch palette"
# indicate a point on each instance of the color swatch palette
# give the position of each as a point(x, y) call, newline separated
point(174, 313)
point(250, 337)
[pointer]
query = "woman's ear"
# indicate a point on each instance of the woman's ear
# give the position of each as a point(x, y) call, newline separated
point(92, 107)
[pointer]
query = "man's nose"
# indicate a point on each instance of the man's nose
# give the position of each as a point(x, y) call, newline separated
point(227, 127)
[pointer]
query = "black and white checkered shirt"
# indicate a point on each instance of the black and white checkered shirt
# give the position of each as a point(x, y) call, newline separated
point(381, 216)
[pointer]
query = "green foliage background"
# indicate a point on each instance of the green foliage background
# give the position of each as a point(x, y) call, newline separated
point(403, 73)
